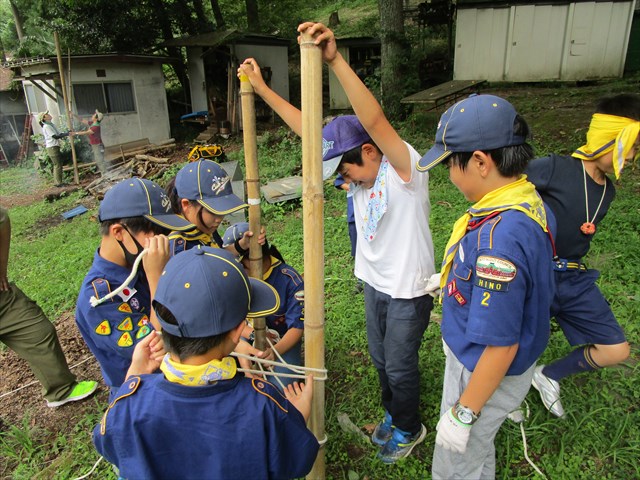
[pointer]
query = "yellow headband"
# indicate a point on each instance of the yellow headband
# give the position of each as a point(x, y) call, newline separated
point(607, 133)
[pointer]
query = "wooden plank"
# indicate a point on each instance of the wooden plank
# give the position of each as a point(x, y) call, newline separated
point(444, 91)
point(114, 151)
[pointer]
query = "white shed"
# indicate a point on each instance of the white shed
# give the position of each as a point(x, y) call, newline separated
point(525, 41)
point(129, 89)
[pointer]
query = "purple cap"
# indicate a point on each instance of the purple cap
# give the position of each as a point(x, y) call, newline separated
point(338, 137)
point(209, 184)
point(209, 293)
point(480, 122)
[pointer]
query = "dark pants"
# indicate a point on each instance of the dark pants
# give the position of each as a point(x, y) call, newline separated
point(394, 331)
point(25, 329)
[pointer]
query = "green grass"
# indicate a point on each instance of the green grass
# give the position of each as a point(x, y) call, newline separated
point(599, 439)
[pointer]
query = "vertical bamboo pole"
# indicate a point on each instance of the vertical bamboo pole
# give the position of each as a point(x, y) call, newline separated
point(253, 195)
point(65, 98)
point(313, 225)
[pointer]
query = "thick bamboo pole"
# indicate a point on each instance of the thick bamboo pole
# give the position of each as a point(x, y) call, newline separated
point(253, 195)
point(313, 225)
point(67, 108)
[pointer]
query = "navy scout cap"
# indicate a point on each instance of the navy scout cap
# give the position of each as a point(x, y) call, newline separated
point(139, 197)
point(479, 122)
point(233, 233)
point(338, 137)
point(207, 183)
point(209, 293)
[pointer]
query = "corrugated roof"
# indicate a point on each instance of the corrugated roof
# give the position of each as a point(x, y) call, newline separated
point(223, 37)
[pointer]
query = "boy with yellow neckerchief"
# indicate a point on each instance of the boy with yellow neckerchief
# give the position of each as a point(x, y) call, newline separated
point(496, 281)
point(201, 418)
point(579, 193)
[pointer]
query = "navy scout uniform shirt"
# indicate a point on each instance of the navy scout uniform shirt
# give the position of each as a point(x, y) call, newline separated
point(231, 429)
point(499, 290)
point(112, 328)
point(290, 287)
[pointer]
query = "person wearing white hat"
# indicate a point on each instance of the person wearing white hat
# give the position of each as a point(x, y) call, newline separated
point(52, 144)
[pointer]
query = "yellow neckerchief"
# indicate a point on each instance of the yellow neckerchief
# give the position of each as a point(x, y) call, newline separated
point(195, 235)
point(274, 263)
point(520, 195)
point(198, 375)
point(606, 133)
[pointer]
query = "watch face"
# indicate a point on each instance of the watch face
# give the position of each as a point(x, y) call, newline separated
point(464, 416)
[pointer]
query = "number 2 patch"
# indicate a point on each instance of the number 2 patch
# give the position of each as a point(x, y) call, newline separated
point(486, 296)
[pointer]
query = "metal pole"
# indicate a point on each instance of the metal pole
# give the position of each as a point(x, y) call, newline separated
point(253, 196)
point(313, 225)
point(76, 178)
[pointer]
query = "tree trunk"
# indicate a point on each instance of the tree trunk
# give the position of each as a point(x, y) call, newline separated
point(253, 20)
point(217, 14)
point(18, 20)
point(165, 25)
point(203, 24)
point(393, 53)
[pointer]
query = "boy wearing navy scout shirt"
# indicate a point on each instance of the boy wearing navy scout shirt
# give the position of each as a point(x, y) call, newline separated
point(134, 212)
point(201, 418)
point(579, 193)
point(496, 281)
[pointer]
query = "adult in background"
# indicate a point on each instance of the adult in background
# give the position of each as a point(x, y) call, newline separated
point(52, 143)
point(26, 330)
point(95, 140)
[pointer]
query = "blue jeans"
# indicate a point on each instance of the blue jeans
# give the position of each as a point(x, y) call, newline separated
point(394, 332)
point(294, 357)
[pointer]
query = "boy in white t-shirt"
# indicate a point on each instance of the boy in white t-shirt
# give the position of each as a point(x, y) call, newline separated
point(394, 252)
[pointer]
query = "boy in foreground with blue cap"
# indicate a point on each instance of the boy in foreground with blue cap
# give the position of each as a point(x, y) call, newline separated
point(496, 281)
point(135, 214)
point(389, 197)
point(201, 418)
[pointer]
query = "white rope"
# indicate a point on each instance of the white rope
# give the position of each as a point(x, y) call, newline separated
point(36, 381)
point(520, 415)
point(95, 465)
point(134, 270)
point(298, 369)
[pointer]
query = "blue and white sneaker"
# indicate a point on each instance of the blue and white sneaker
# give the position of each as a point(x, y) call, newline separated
point(383, 431)
point(401, 444)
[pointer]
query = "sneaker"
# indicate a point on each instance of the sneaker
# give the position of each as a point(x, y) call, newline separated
point(549, 391)
point(80, 391)
point(383, 431)
point(401, 444)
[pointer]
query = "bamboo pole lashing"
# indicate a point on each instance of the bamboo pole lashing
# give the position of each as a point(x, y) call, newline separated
point(65, 98)
point(313, 225)
point(253, 196)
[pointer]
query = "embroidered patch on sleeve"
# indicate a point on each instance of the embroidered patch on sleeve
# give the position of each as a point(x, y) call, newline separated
point(143, 332)
point(125, 340)
point(459, 298)
point(104, 328)
point(496, 269)
point(124, 307)
point(126, 325)
point(492, 285)
point(143, 320)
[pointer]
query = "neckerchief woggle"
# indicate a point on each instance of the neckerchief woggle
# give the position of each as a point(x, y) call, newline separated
point(520, 195)
point(377, 204)
point(607, 133)
point(198, 375)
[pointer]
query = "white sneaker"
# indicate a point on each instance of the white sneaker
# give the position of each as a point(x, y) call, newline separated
point(549, 391)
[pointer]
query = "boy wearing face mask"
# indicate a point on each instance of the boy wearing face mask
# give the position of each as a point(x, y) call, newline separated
point(135, 214)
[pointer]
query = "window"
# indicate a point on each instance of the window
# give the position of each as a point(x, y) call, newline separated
point(105, 97)
point(32, 99)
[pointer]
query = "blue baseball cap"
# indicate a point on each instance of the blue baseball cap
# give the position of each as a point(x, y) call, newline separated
point(338, 137)
point(209, 184)
point(139, 197)
point(234, 232)
point(479, 122)
point(209, 293)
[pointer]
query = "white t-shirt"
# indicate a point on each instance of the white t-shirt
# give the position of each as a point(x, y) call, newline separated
point(48, 131)
point(400, 259)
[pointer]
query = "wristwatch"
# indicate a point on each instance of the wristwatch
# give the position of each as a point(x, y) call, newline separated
point(465, 414)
